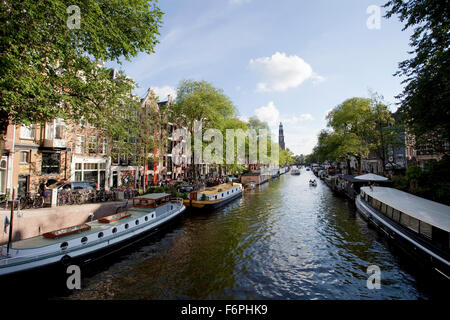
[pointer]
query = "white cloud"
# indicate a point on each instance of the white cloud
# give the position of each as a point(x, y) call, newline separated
point(269, 114)
point(163, 92)
point(281, 72)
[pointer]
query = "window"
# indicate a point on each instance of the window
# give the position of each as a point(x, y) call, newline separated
point(425, 229)
point(396, 215)
point(50, 162)
point(24, 157)
point(3, 176)
point(22, 184)
point(92, 144)
point(389, 212)
point(81, 144)
point(410, 222)
point(27, 132)
point(383, 208)
point(55, 129)
point(104, 146)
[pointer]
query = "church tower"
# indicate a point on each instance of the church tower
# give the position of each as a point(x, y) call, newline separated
point(281, 137)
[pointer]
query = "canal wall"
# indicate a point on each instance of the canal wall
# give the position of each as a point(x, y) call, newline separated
point(33, 222)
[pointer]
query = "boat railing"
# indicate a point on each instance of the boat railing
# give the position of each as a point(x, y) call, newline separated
point(180, 200)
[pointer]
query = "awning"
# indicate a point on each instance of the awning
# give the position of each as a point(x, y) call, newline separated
point(371, 177)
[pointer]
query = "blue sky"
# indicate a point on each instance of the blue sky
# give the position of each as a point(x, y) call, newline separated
point(287, 60)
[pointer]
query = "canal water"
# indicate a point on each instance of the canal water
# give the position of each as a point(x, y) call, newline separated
point(284, 240)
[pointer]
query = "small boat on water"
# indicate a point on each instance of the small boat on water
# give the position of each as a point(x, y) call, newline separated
point(420, 227)
point(313, 183)
point(214, 197)
point(91, 240)
point(295, 171)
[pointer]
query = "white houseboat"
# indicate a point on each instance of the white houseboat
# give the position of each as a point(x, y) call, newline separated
point(81, 243)
point(295, 171)
point(418, 226)
point(214, 197)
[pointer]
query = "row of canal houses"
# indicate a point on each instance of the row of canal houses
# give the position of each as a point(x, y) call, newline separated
point(62, 151)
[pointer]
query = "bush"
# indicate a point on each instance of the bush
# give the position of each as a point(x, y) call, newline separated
point(400, 182)
point(203, 198)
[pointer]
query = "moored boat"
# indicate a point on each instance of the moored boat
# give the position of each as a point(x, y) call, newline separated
point(93, 239)
point(420, 227)
point(295, 171)
point(214, 197)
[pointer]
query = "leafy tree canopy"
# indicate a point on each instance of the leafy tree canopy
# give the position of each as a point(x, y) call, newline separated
point(425, 100)
point(49, 70)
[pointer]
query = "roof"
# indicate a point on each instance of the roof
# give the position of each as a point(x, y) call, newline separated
point(350, 178)
point(371, 177)
point(215, 190)
point(154, 196)
point(428, 211)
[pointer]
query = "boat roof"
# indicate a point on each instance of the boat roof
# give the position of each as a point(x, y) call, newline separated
point(154, 196)
point(428, 211)
point(96, 226)
point(215, 190)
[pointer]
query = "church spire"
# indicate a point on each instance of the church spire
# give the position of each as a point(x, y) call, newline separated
point(281, 137)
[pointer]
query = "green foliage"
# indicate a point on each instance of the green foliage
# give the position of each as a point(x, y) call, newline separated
point(400, 182)
point(425, 100)
point(203, 197)
point(432, 182)
point(49, 70)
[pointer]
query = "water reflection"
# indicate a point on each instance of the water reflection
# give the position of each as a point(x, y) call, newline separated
point(283, 240)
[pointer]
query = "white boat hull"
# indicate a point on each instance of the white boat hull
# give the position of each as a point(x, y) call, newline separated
point(40, 258)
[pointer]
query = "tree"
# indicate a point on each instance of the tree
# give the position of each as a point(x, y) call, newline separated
point(48, 65)
point(201, 101)
point(352, 121)
point(425, 100)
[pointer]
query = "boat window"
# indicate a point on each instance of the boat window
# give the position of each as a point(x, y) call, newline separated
point(84, 240)
point(216, 197)
point(127, 226)
point(389, 211)
point(153, 215)
point(425, 229)
point(410, 222)
point(146, 218)
point(137, 222)
point(396, 215)
point(222, 194)
point(171, 207)
point(64, 245)
point(100, 234)
point(114, 230)
point(441, 238)
point(383, 208)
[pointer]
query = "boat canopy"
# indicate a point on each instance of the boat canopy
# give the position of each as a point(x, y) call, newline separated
point(371, 177)
point(154, 196)
point(428, 211)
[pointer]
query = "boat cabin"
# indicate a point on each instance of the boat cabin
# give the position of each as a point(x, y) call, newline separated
point(219, 192)
point(429, 219)
point(152, 200)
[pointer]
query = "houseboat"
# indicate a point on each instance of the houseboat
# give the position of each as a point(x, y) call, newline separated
point(214, 197)
point(420, 227)
point(91, 240)
point(295, 171)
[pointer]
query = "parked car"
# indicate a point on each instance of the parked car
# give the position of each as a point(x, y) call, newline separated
point(74, 185)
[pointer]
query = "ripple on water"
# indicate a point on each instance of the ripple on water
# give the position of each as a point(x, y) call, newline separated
point(284, 240)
